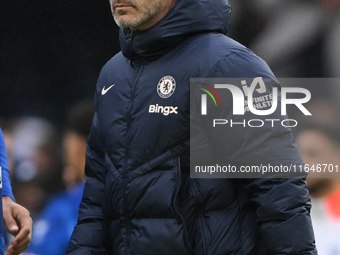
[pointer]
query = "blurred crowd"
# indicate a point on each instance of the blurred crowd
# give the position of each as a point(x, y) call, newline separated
point(46, 165)
point(297, 38)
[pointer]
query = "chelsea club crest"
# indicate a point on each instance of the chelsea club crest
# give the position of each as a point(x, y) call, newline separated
point(166, 86)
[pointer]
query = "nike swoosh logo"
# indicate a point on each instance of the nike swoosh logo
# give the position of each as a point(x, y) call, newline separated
point(104, 91)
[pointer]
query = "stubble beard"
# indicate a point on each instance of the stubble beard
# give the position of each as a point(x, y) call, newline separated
point(143, 15)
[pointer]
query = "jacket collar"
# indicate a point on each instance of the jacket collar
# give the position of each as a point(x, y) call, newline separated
point(186, 18)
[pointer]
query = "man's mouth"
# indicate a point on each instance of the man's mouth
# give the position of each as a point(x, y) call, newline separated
point(122, 5)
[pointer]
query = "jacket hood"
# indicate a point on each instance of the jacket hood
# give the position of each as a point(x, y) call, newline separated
point(186, 18)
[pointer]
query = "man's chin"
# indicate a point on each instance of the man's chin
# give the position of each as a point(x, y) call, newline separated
point(125, 21)
point(122, 22)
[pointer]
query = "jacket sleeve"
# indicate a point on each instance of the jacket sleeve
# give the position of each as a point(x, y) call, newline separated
point(90, 235)
point(282, 206)
point(6, 182)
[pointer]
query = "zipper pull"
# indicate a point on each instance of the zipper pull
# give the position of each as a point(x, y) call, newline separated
point(130, 37)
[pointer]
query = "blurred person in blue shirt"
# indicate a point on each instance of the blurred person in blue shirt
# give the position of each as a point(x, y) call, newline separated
point(53, 228)
point(16, 219)
point(37, 163)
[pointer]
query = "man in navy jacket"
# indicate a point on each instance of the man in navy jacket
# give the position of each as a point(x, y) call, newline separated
point(139, 197)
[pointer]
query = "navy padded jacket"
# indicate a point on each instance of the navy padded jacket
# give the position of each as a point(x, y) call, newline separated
point(138, 197)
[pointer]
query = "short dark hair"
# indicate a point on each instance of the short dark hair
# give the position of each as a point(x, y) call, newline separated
point(79, 118)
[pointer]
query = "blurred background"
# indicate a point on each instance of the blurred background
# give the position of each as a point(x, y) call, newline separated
point(51, 53)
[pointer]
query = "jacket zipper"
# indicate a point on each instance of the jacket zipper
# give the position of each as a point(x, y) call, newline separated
point(200, 221)
point(186, 244)
point(131, 37)
point(125, 181)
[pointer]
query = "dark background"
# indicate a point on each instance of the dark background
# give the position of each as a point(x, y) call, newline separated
point(51, 54)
